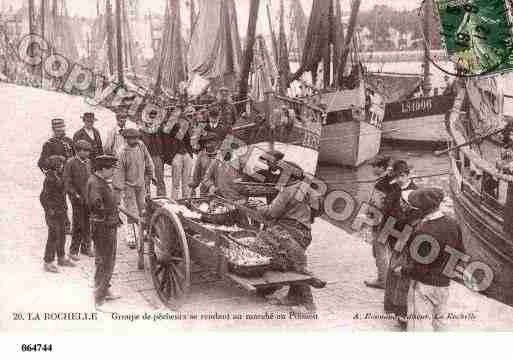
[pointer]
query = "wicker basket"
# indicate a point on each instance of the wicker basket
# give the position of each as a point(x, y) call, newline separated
point(255, 189)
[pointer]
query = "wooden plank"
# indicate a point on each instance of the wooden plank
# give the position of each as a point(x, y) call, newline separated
point(269, 278)
point(245, 283)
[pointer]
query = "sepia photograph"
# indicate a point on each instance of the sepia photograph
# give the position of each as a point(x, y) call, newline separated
point(261, 165)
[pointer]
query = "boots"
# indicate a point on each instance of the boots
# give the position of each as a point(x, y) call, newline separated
point(65, 262)
point(50, 267)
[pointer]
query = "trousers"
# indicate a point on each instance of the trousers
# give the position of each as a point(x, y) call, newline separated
point(105, 243)
point(427, 307)
point(134, 199)
point(80, 236)
point(56, 240)
point(159, 175)
point(381, 256)
point(181, 172)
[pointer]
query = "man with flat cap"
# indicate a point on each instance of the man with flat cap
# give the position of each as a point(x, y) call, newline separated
point(58, 145)
point(90, 134)
point(225, 110)
point(429, 287)
point(133, 174)
point(77, 171)
point(115, 140)
point(103, 207)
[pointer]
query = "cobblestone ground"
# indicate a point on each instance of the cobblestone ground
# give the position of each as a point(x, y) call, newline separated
point(345, 261)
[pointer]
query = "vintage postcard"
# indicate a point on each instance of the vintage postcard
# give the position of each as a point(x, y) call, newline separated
point(255, 164)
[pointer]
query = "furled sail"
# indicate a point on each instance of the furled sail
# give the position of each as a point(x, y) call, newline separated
point(297, 28)
point(171, 68)
point(59, 32)
point(324, 30)
point(215, 52)
point(264, 71)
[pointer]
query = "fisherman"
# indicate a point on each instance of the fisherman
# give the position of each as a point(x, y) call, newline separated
point(152, 138)
point(215, 125)
point(178, 152)
point(272, 174)
point(53, 200)
point(395, 206)
point(226, 109)
point(76, 173)
point(115, 140)
point(133, 174)
point(103, 206)
point(90, 134)
point(429, 288)
point(290, 234)
point(208, 144)
point(59, 145)
point(383, 169)
point(220, 176)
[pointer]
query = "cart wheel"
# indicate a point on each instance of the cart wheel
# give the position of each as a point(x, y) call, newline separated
point(169, 259)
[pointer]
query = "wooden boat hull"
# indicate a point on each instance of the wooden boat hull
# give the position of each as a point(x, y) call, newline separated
point(349, 143)
point(418, 120)
point(480, 211)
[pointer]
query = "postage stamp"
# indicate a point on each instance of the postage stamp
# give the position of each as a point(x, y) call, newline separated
point(477, 34)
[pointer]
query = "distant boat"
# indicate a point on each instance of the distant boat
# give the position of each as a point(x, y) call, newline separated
point(479, 190)
point(405, 115)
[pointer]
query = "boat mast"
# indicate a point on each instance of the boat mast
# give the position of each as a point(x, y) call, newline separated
point(163, 48)
point(248, 50)
point(355, 7)
point(110, 37)
point(43, 10)
point(192, 19)
point(283, 56)
point(426, 84)
point(273, 36)
point(31, 16)
point(119, 43)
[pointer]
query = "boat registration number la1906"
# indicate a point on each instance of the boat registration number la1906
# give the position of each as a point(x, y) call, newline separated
point(422, 104)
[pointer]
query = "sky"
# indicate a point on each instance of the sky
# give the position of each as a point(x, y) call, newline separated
point(88, 7)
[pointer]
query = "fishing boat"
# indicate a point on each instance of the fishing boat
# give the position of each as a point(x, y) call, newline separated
point(351, 132)
point(480, 190)
point(406, 113)
point(272, 120)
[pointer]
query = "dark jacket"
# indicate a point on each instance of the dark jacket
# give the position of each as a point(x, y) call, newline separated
point(101, 201)
point(171, 145)
point(52, 197)
point(153, 142)
point(76, 174)
point(55, 146)
point(446, 232)
point(95, 142)
point(227, 113)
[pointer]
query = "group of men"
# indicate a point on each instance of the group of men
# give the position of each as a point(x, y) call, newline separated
point(96, 177)
point(413, 288)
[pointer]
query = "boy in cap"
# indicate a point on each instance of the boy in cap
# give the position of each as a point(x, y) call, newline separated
point(429, 288)
point(76, 173)
point(115, 140)
point(225, 108)
point(133, 173)
point(103, 207)
point(90, 134)
point(53, 200)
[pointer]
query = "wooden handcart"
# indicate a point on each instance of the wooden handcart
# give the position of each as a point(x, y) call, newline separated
point(174, 241)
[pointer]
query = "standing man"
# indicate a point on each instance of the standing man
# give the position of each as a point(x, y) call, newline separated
point(76, 173)
point(134, 171)
point(115, 140)
point(58, 145)
point(429, 288)
point(90, 134)
point(151, 137)
point(103, 206)
point(227, 111)
point(382, 168)
point(207, 154)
